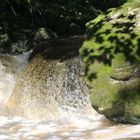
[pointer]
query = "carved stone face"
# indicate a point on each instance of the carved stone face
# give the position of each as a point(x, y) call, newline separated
point(116, 90)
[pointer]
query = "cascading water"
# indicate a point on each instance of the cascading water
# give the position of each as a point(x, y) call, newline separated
point(74, 93)
point(10, 67)
point(51, 90)
point(52, 85)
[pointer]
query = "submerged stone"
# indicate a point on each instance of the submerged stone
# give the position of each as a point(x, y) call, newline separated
point(112, 56)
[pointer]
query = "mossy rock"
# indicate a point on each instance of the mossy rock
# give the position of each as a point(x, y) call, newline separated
point(111, 53)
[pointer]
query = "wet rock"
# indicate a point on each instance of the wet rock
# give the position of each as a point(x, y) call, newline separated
point(22, 41)
point(8, 45)
point(42, 34)
point(4, 42)
point(75, 29)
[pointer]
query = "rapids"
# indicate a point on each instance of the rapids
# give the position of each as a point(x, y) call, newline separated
point(74, 124)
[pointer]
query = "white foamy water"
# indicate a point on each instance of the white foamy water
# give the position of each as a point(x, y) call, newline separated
point(70, 127)
point(10, 67)
point(66, 129)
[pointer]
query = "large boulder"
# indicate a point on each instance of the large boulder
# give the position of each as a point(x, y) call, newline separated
point(112, 56)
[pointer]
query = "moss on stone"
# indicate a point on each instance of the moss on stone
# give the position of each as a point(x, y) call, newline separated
point(111, 53)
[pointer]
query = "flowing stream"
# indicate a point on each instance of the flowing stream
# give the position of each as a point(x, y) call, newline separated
point(77, 119)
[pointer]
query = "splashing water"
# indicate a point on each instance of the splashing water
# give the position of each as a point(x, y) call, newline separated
point(10, 67)
point(72, 126)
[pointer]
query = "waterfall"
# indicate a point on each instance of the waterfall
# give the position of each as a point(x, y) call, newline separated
point(10, 67)
point(50, 89)
point(52, 84)
point(74, 93)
